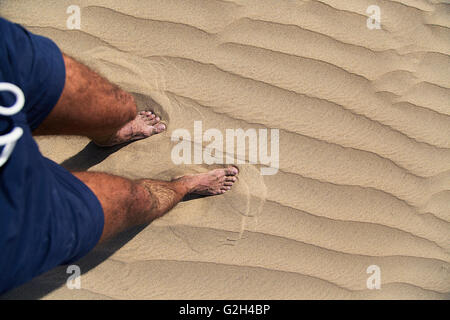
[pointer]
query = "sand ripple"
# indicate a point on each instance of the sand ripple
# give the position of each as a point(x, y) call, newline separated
point(364, 119)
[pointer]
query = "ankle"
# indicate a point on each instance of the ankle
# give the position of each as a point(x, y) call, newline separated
point(184, 184)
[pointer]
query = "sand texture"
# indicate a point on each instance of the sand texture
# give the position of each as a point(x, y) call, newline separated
point(364, 120)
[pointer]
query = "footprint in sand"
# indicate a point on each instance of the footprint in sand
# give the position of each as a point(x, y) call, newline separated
point(248, 199)
point(204, 224)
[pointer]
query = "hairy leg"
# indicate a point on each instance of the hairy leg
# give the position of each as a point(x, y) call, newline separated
point(92, 106)
point(127, 203)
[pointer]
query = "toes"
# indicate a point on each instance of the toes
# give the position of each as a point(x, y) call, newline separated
point(228, 181)
point(151, 130)
point(158, 128)
point(231, 171)
point(149, 118)
point(146, 113)
point(224, 189)
point(153, 120)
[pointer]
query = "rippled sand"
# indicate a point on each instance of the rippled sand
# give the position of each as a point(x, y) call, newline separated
point(364, 119)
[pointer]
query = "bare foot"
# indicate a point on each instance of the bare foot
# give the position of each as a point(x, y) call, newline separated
point(214, 182)
point(143, 126)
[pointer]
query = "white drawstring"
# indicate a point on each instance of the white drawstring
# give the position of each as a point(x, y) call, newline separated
point(9, 140)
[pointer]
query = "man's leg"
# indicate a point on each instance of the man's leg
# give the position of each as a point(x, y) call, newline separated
point(127, 203)
point(92, 106)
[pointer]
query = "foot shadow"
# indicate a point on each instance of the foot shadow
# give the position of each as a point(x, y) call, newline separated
point(190, 197)
point(90, 156)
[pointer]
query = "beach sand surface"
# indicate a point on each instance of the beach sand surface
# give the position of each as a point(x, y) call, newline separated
point(364, 146)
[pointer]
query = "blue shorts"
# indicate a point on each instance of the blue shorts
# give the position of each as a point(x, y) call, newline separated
point(48, 217)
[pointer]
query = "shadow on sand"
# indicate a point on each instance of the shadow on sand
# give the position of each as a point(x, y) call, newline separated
point(90, 156)
point(57, 277)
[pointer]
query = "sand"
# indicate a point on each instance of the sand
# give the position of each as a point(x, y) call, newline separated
point(364, 120)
